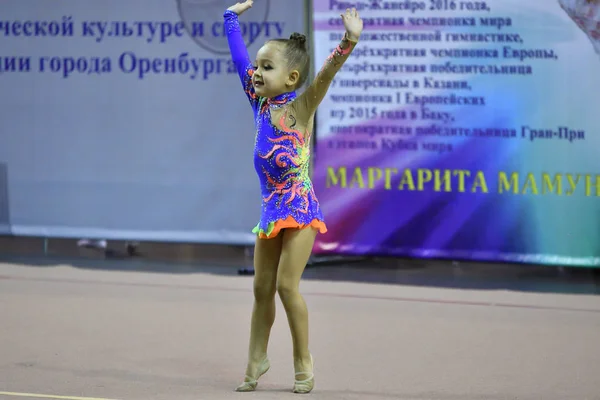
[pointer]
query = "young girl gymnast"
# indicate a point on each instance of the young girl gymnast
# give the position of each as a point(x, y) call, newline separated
point(290, 214)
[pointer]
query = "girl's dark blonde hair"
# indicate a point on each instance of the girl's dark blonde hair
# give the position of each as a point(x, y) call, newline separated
point(296, 55)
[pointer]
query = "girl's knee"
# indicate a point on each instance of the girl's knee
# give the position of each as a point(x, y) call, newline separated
point(264, 291)
point(286, 289)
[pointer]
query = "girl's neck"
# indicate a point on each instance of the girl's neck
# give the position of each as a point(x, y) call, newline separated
point(276, 101)
point(281, 99)
point(287, 96)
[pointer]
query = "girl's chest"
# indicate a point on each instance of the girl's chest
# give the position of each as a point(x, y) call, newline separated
point(282, 126)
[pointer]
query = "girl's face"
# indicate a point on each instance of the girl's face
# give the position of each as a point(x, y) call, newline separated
point(272, 76)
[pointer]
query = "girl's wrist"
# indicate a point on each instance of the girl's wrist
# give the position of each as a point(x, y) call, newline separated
point(351, 38)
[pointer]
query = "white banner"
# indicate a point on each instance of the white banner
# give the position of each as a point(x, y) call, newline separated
point(122, 119)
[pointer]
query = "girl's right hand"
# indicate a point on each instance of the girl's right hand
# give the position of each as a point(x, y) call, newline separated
point(353, 24)
point(240, 8)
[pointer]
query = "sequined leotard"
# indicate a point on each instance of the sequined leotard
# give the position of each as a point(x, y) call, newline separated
point(281, 154)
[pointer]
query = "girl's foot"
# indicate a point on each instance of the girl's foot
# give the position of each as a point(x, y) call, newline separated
point(305, 380)
point(250, 383)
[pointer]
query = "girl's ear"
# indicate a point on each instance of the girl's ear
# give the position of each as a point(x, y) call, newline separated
point(293, 78)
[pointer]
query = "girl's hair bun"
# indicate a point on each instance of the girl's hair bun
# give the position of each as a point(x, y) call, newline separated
point(298, 39)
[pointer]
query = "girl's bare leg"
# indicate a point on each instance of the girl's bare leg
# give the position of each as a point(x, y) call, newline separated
point(296, 249)
point(266, 259)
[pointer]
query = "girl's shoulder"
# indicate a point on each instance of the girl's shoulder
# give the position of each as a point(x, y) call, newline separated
point(299, 107)
point(290, 117)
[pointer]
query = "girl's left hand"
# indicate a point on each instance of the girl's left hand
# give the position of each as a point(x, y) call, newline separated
point(240, 8)
point(353, 24)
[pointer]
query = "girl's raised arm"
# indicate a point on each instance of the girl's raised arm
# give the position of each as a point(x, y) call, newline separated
point(317, 90)
point(237, 47)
